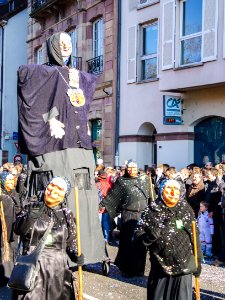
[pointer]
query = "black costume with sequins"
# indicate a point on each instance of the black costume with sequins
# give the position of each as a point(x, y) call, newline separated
point(168, 234)
point(130, 197)
point(55, 279)
point(11, 206)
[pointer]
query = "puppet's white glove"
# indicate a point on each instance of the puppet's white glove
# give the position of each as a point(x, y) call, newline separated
point(56, 128)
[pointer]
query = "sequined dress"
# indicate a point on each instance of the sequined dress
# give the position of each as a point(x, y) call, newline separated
point(130, 197)
point(168, 234)
point(55, 279)
point(11, 206)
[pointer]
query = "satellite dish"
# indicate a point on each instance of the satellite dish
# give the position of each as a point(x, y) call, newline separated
point(4, 2)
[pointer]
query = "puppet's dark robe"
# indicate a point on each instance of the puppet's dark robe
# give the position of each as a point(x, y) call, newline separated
point(42, 95)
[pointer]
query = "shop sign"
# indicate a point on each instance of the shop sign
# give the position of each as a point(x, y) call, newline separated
point(172, 110)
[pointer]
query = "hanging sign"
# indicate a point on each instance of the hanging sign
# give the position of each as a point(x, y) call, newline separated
point(15, 135)
point(172, 110)
point(17, 158)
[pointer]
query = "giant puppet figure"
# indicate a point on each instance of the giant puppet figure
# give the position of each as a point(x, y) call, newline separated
point(54, 101)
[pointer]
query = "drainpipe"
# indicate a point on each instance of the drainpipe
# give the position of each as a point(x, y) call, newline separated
point(2, 25)
point(118, 87)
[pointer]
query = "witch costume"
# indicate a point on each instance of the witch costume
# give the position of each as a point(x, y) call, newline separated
point(167, 232)
point(10, 206)
point(129, 196)
point(57, 91)
point(54, 280)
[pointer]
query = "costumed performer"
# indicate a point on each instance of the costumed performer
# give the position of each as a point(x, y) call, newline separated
point(10, 206)
point(130, 196)
point(54, 279)
point(166, 229)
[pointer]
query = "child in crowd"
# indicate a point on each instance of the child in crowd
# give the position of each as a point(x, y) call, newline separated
point(206, 228)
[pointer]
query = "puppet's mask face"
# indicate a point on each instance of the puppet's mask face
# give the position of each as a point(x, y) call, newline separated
point(9, 183)
point(65, 45)
point(55, 192)
point(171, 193)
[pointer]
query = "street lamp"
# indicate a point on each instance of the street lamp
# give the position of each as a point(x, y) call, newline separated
point(2, 25)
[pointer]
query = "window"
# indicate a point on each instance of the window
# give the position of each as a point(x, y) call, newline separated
point(149, 38)
point(98, 38)
point(143, 3)
point(11, 6)
point(191, 32)
point(196, 37)
point(39, 56)
point(95, 65)
point(147, 67)
point(73, 36)
point(76, 61)
point(97, 138)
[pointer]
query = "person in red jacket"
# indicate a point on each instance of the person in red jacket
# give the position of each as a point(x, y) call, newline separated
point(104, 186)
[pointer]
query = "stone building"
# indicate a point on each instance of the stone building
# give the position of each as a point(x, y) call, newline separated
point(92, 25)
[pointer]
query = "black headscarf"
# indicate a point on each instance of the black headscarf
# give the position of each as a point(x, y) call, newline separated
point(3, 178)
point(54, 51)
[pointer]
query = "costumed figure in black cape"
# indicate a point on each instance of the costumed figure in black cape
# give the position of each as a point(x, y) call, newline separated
point(166, 229)
point(54, 279)
point(10, 206)
point(54, 101)
point(129, 196)
point(21, 185)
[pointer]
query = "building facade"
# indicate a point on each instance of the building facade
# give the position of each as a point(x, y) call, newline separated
point(13, 53)
point(92, 25)
point(172, 82)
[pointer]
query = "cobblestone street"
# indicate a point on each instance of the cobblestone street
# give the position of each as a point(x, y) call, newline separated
point(212, 282)
point(99, 287)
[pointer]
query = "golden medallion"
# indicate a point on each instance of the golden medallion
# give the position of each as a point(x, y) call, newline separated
point(76, 96)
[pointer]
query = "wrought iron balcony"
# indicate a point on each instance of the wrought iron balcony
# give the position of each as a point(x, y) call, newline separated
point(42, 8)
point(95, 65)
point(77, 62)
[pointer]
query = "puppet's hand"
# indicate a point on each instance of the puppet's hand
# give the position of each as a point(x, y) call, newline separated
point(56, 128)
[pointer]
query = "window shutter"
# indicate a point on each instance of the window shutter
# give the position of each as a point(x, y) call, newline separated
point(168, 22)
point(100, 42)
point(44, 53)
point(73, 35)
point(209, 30)
point(224, 29)
point(158, 48)
point(131, 54)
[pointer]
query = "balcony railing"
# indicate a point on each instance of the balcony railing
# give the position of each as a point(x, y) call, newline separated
point(95, 65)
point(37, 4)
point(77, 62)
point(40, 8)
point(9, 8)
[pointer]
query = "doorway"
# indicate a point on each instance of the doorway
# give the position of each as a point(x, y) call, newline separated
point(209, 142)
